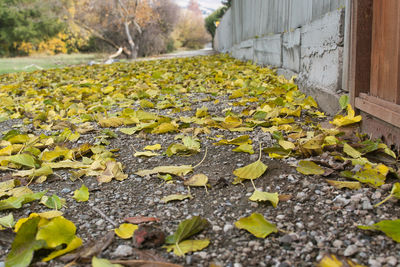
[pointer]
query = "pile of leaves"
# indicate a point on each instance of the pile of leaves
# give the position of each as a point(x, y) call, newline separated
point(67, 118)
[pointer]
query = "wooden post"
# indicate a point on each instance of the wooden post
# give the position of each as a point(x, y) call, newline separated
point(360, 48)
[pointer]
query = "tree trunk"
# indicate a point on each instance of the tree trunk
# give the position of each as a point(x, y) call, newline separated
point(133, 46)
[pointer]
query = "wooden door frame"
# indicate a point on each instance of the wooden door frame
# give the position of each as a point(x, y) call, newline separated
point(381, 119)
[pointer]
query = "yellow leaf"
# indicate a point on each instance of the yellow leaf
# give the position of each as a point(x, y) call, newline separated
point(257, 225)
point(246, 148)
point(75, 243)
point(264, 196)
point(146, 104)
point(187, 246)
point(197, 180)
point(340, 120)
point(153, 147)
point(175, 197)
point(309, 168)
point(351, 151)
point(81, 194)
point(145, 154)
point(175, 170)
point(111, 122)
point(57, 232)
point(241, 140)
point(126, 230)
point(164, 127)
point(334, 261)
point(251, 171)
point(201, 112)
point(286, 144)
point(345, 184)
point(231, 122)
point(239, 83)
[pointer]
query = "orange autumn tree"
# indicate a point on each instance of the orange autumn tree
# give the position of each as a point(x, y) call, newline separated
point(190, 31)
point(119, 23)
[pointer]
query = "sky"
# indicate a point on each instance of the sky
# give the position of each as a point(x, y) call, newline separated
point(204, 4)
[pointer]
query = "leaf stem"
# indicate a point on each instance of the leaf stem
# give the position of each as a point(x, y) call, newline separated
point(259, 157)
point(205, 155)
point(383, 201)
point(254, 186)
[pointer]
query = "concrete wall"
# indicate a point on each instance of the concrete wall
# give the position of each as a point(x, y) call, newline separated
point(298, 37)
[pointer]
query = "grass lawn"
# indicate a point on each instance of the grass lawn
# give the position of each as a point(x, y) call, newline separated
point(18, 64)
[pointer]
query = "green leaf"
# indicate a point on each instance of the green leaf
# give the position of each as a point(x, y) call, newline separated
point(344, 101)
point(251, 171)
point(97, 262)
point(54, 202)
point(257, 225)
point(81, 194)
point(126, 230)
point(264, 196)
point(390, 227)
point(17, 202)
point(309, 168)
point(394, 193)
point(187, 246)
point(23, 159)
point(24, 244)
point(186, 229)
point(7, 221)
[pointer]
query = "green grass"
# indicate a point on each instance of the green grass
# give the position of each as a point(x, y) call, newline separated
point(19, 64)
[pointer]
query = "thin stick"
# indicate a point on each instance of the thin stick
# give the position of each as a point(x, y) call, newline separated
point(259, 158)
point(252, 182)
point(105, 216)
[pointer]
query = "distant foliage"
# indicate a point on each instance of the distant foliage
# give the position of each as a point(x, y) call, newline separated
point(24, 24)
point(190, 31)
point(213, 19)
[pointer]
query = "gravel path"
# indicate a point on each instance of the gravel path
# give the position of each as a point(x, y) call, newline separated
point(313, 217)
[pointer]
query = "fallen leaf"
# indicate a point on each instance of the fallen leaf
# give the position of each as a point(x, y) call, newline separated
point(7, 221)
point(153, 147)
point(390, 227)
point(175, 197)
point(113, 170)
point(187, 246)
point(351, 151)
point(251, 171)
point(340, 120)
point(147, 236)
point(257, 225)
point(286, 144)
point(145, 154)
point(24, 160)
point(394, 193)
point(309, 168)
point(197, 180)
point(54, 202)
point(335, 261)
point(344, 184)
point(17, 202)
point(264, 196)
point(246, 148)
point(81, 194)
point(186, 229)
point(141, 219)
point(97, 262)
point(25, 244)
point(175, 170)
point(126, 230)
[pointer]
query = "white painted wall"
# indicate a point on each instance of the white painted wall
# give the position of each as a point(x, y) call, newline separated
point(300, 37)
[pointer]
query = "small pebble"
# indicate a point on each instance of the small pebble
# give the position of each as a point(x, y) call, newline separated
point(337, 243)
point(123, 251)
point(350, 250)
point(228, 227)
point(366, 205)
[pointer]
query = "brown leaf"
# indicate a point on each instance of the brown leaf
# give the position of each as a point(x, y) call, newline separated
point(141, 219)
point(284, 198)
point(93, 248)
point(148, 237)
point(144, 263)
